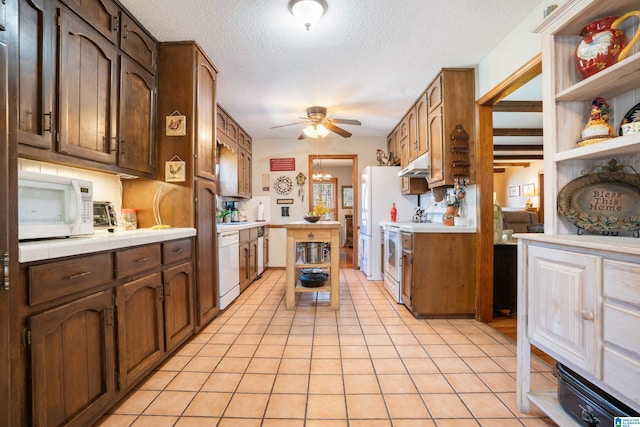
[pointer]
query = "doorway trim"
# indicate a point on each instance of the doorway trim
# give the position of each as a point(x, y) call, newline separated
point(356, 187)
point(484, 179)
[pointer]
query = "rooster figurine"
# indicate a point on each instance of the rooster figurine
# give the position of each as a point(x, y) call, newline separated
point(382, 158)
point(597, 128)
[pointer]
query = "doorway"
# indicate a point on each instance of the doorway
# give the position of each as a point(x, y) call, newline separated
point(343, 168)
point(484, 178)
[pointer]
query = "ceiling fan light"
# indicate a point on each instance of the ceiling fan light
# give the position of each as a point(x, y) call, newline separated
point(326, 176)
point(308, 12)
point(322, 131)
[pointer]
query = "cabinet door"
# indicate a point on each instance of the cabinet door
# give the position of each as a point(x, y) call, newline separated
point(206, 252)
point(421, 125)
point(136, 43)
point(137, 118)
point(245, 256)
point(562, 305)
point(35, 74)
point(73, 361)
point(407, 278)
point(140, 328)
point(247, 175)
point(436, 147)
point(6, 172)
point(265, 252)
point(412, 126)
point(178, 304)
point(87, 93)
point(253, 260)
point(232, 130)
point(100, 14)
point(205, 119)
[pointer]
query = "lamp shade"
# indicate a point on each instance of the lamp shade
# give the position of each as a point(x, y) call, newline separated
point(308, 12)
point(316, 131)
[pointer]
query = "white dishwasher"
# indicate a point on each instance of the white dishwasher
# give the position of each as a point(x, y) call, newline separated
point(228, 267)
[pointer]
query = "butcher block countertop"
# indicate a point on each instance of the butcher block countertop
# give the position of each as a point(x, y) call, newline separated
point(316, 225)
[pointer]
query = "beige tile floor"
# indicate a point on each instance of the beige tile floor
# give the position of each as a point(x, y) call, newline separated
point(369, 364)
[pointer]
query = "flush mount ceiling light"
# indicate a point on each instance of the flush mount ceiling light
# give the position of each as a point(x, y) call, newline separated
point(308, 12)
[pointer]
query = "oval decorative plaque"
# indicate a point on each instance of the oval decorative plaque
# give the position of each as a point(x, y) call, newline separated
point(605, 201)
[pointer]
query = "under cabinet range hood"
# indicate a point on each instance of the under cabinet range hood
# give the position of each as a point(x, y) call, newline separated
point(418, 168)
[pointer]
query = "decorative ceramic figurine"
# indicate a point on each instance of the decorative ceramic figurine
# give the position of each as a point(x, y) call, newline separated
point(597, 129)
point(603, 44)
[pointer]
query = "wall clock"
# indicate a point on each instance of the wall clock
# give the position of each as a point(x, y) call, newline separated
point(283, 185)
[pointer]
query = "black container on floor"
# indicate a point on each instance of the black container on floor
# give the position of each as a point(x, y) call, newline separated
point(589, 405)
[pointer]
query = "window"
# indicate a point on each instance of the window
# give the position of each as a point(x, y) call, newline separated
point(326, 191)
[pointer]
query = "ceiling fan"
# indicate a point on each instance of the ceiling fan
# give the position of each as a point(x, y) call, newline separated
point(319, 125)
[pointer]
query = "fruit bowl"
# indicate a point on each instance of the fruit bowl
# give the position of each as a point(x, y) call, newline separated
point(311, 218)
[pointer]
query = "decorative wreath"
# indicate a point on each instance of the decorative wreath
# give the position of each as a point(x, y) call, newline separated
point(283, 185)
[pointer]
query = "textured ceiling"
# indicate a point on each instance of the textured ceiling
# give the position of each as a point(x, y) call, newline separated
point(366, 59)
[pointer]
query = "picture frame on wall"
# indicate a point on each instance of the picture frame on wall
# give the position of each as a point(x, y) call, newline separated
point(514, 191)
point(347, 197)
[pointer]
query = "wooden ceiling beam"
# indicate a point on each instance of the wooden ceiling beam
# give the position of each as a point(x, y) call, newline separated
point(518, 107)
point(516, 147)
point(517, 131)
point(517, 157)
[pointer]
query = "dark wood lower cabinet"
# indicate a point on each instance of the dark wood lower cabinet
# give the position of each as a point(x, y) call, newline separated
point(122, 313)
point(73, 361)
point(178, 304)
point(140, 328)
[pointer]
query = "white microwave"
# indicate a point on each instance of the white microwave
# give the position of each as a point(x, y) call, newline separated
point(53, 206)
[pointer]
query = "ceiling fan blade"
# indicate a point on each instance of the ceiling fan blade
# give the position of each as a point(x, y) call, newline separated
point(289, 124)
point(302, 136)
point(346, 121)
point(333, 128)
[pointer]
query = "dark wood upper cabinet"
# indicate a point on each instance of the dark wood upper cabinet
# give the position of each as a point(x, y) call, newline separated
point(135, 42)
point(3, 15)
point(206, 118)
point(137, 118)
point(35, 76)
point(103, 15)
point(87, 93)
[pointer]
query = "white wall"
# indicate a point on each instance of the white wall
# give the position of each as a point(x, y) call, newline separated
point(520, 46)
point(517, 177)
point(264, 149)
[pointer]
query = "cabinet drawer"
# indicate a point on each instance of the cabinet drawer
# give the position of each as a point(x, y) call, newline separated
point(176, 250)
point(407, 240)
point(312, 236)
point(245, 235)
point(57, 279)
point(621, 281)
point(137, 260)
point(622, 372)
point(253, 233)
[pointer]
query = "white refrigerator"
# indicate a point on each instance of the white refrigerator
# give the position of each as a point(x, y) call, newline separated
point(380, 188)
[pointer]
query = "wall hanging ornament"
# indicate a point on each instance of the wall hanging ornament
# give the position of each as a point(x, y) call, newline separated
point(176, 124)
point(283, 185)
point(175, 170)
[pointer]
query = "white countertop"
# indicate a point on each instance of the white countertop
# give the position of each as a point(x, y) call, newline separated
point(430, 227)
point(233, 226)
point(101, 240)
point(627, 245)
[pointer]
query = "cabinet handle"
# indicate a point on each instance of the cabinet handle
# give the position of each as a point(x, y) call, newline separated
point(116, 23)
point(5, 268)
point(587, 315)
point(123, 146)
point(78, 275)
point(145, 259)
point(47, 128)
point(167, 289)
point(114, 141)
point(178, 250)
point(125, 29)
point(311, 235)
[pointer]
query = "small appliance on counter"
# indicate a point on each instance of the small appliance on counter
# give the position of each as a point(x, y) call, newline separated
point(51, 206)
point(104, 215)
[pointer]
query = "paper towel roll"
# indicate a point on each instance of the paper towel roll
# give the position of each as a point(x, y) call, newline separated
point(260, 216)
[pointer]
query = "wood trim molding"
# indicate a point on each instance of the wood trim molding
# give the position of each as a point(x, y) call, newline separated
point(484, 179)
point(518, 107)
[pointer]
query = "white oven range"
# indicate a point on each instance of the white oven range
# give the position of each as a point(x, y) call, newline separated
point(392, 261)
